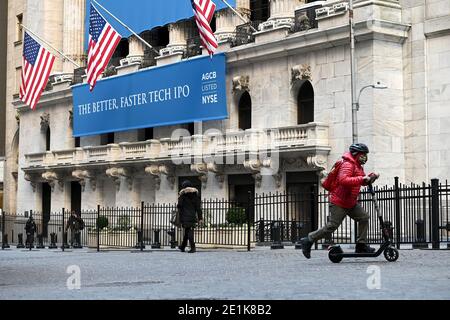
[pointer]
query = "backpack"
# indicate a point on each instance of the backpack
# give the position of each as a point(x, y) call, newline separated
point(329, 183)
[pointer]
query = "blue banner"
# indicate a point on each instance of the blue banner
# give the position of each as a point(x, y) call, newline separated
point(141, 15)
point(183, 92)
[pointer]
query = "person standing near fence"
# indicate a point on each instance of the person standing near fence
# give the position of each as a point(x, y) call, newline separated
point(189, 208)
point(30, 229)
point(76, 224)
point(349, 178)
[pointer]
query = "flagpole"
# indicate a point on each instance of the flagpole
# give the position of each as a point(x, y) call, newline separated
point(239, 15)
point(62, 54)
point(127, 27)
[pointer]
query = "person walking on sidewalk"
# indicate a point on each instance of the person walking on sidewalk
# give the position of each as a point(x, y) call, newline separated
point(189, 206)
point(343, 200)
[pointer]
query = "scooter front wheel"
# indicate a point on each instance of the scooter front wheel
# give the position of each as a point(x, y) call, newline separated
point(391, 254)
point(335, 254)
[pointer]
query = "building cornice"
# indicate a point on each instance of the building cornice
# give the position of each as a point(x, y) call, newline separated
point(316, 39)
point(48, 98)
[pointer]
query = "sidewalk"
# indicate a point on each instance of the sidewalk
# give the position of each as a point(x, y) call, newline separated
point(221, 274)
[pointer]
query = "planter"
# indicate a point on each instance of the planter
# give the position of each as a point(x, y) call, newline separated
point(113, 239)
point(223, 235)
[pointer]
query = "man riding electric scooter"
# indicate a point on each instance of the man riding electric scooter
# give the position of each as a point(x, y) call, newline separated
point(344, 192)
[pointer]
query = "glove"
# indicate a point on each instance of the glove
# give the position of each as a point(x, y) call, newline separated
point(369, 179)
point(374, 176)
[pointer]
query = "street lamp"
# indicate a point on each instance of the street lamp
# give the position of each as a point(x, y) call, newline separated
point(378, 85)
point(355, 108)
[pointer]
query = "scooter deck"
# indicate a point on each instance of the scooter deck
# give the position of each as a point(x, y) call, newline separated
point(365, 255)
point(362, 255)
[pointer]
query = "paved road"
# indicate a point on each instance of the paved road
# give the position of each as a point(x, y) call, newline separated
point(221, 274)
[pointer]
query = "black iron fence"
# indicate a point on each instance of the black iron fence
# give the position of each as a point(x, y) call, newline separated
point(244, 33)
point(417, 214)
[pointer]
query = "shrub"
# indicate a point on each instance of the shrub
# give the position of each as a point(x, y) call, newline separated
point(236, 216)
point(102, 222)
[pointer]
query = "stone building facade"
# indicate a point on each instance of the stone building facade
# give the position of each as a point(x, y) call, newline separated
point(3, 42)
point(289, 103)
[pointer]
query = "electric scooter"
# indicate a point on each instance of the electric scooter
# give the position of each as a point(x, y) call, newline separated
point(336, 254)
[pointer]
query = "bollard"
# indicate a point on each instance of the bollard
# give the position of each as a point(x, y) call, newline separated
point(40, 244)
point(156, 244)
point(53, 240)
point(140, 241)
point(261, 231)
point(298, 243)
point(388, 225)
point(173, 241)
point(5, 244)
point(294, 232)
point(420, 241)
point(20, 244)
point(65, 245)
point(276, 236)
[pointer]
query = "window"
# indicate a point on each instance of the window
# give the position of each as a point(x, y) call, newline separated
point(191, 128)
point(145, 134)
point(77, 142)
point(19, 32)
point(47, 139)
point(260, 10)
point(18, 79)
point(107, 138)
point(305, 104)
point(245, 111)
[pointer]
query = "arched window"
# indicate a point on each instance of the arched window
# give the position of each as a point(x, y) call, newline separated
point(47, 139)
point(305, 104)
point(245, 111)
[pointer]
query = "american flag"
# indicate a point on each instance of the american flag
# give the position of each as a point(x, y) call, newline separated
point(204, 12)
point(103, 40)
point(36, 68)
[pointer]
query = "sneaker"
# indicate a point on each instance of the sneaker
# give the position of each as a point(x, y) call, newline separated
point(364, 248)
point(181, 248)
point(192, 250)
point(306, 247)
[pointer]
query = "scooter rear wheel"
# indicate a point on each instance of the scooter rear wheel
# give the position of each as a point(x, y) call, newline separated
point(335, 254)
point(391, 254)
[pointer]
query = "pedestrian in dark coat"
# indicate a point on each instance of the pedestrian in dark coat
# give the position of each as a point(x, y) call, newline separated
point(75, 224)
point(30, 229)
point(189, 206)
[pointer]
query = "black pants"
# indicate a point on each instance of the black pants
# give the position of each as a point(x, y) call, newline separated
point(188, 235)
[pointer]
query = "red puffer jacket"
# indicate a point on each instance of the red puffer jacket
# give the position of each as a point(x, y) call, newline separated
point(349, 181)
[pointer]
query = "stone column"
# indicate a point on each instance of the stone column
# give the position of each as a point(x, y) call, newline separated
point(136, 47)
point(179, 33)
point(282, 13)
point(227, 20)
point(283, 9)
point(135, 56)
point(73, 33)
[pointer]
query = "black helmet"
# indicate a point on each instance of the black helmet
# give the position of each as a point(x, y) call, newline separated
point(186, 184)
point(359, 147)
